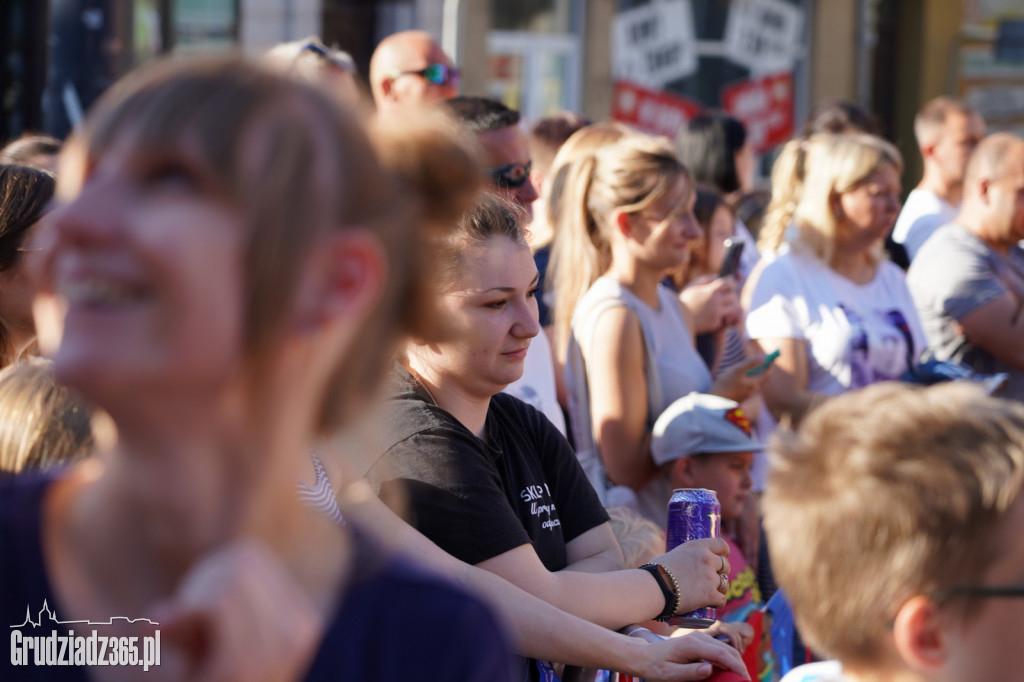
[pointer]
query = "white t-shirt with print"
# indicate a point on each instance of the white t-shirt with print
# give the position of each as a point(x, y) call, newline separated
point(856, 334)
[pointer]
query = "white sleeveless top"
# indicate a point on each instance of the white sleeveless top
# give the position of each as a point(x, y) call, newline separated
point(672, 366)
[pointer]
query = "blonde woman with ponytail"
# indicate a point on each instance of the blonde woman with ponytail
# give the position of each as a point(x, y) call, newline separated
point(581, 144)
point(626, 220)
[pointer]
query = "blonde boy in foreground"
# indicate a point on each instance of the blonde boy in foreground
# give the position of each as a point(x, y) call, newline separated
point(896, 527)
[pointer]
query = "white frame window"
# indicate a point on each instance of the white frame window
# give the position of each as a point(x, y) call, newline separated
point(535, 51)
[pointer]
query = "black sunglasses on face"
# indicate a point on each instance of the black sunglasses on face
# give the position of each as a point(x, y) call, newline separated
point(971, 591)
point(942, 597)
point(512, 176)
point(438, 74)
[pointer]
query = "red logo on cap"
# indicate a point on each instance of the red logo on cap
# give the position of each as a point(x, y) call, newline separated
point(737, 417)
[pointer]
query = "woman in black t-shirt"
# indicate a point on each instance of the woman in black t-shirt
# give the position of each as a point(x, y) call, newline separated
point(486, 476)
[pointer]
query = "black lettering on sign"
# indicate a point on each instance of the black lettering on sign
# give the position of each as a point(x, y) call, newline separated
point(663, 58)
point(643, 31)
point(755, 43)
point(772, 19)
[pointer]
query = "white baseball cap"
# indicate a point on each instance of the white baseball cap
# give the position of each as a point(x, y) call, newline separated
point(699, 423)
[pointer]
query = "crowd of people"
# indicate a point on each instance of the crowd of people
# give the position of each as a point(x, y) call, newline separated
point(328, 380)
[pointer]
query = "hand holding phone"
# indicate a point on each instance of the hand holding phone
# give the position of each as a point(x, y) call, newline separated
point(731, 259)
point(768, 360)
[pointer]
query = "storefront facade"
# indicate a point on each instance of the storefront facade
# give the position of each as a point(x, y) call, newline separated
point(649, 62)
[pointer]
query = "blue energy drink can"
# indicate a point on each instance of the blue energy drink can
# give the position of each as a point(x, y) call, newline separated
point(693, 513)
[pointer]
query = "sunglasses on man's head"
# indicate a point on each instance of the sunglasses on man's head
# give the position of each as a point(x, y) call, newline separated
point(438, 74)
point(333, 57)
point(512, 176)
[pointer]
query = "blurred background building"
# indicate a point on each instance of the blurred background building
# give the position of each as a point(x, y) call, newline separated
point(648, 62)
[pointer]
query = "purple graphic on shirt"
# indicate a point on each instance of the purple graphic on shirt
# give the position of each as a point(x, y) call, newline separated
point(879, 347)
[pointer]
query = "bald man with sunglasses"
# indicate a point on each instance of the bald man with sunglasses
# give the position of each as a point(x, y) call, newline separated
point(409, 67)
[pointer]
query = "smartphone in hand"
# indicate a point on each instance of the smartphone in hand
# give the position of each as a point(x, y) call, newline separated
point(768, 360)
point(731, 259)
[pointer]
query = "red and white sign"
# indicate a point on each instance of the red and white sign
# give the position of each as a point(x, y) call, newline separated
point(764, 35)
point(651, 111)
point(765, 105)
point(654, 43)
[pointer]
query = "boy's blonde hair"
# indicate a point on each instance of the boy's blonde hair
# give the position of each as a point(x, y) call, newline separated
point(884, 494)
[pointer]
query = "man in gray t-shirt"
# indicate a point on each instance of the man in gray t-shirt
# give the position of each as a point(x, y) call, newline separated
point(968, 279)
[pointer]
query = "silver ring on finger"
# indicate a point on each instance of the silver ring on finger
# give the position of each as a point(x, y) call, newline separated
point(723, 583)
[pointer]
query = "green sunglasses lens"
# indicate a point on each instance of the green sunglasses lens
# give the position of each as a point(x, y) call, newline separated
point(436, 74)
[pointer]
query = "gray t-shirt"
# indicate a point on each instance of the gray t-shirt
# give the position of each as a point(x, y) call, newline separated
point(954, 274)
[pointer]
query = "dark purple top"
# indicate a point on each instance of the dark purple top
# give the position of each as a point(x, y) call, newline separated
point(394, 621)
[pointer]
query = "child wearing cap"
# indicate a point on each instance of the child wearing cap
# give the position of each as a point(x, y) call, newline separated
point(705, 441)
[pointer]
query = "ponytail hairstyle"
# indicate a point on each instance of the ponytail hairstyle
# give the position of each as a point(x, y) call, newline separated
point(787, 185)
point(841, 163)
point(583, 142)
point(629, 175)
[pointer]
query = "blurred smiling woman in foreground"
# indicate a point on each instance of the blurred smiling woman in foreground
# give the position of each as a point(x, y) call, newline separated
point(226, 277)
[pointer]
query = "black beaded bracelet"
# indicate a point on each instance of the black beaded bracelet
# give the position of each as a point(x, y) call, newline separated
point(668, 586)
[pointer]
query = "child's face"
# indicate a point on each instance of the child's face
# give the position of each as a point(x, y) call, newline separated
point(727, 473)
point(988, 645)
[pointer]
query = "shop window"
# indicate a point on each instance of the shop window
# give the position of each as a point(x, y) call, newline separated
point(205, 25)
point(15, 61)
point(148, 36)
point(535, 49)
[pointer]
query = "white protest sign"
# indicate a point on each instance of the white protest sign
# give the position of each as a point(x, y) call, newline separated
point(764, 35)
point(655, 43)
